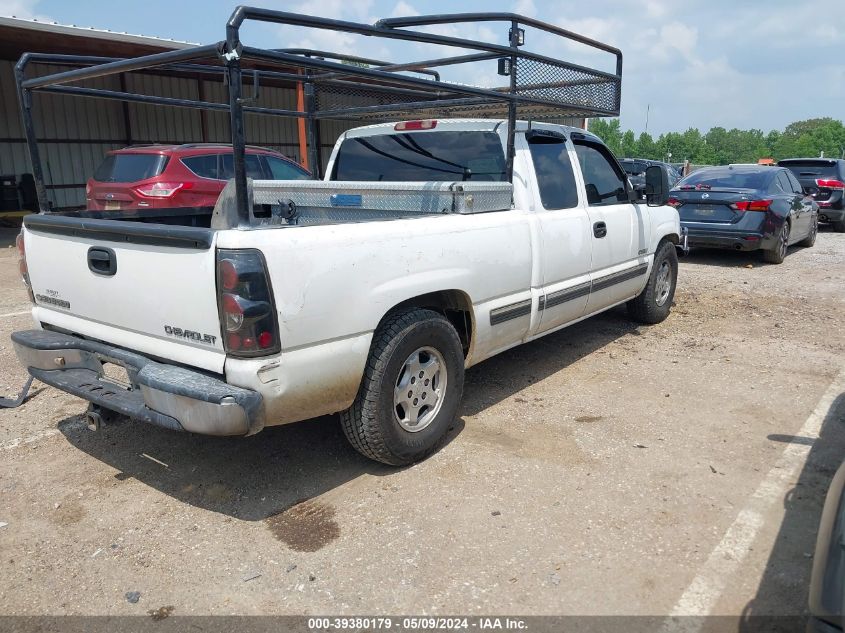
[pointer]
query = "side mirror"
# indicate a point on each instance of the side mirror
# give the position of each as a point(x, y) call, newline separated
point(656, 186)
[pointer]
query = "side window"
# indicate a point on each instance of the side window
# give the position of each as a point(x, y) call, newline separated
point(555, 177)
point(203, 166)
point(784, 183)
point(796, 186)
point(283, 170)
point(604, 181)
point(253, 167)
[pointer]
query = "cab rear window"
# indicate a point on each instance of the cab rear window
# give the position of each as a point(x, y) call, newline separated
point(422, 156)
point(130, 167)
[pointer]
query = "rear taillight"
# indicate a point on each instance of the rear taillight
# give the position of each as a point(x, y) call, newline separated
point(163, 189)
point(405, 126)
point(836, 185)
point(674, 202)
point(247, 312)
point(752, 205)
point(22, 267)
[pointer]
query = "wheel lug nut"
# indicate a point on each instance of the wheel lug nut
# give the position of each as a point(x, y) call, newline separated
point(423, 396)
point(422, 373)
point(410, 394)
point(413, 380)
point(426, 382)
point(415, 402)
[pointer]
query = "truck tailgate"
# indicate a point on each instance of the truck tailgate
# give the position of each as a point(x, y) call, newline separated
point(148, 288)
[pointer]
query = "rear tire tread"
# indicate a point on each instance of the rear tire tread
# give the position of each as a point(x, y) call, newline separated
point(359, 422)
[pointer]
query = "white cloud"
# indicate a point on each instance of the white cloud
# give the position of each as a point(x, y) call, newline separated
point(22, 9)
point(526, 8)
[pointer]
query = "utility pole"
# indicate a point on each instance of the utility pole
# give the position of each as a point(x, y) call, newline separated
point(647, 108)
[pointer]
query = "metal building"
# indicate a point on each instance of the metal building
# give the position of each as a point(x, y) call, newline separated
point(74, 133)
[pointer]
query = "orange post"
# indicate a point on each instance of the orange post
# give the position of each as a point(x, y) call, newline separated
point(300, 122)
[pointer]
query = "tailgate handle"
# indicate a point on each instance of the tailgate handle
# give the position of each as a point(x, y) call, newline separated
point(102, 261)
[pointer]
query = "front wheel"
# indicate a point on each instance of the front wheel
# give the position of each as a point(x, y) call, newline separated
point(410, 391)
point(654, 302)
point(777, 253)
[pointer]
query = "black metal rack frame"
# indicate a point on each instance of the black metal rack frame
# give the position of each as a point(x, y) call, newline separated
point(537, 85)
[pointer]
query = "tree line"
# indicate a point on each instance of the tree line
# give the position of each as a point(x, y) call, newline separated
point(719, 146)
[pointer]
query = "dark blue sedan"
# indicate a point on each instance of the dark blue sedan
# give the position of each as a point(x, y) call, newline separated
point(746, 208)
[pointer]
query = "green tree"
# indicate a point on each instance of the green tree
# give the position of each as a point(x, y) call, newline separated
point(608, 130)
point(628, 145)
point(646, 147)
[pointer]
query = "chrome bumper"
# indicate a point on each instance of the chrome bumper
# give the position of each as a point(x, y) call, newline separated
point(167, 396)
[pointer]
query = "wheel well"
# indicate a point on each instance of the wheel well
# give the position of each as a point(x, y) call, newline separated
point(455, 305)
point(672, 237)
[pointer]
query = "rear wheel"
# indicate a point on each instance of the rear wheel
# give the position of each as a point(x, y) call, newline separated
point(654, 302)
point(777, 254)
point(411, 389)
point(811, 236)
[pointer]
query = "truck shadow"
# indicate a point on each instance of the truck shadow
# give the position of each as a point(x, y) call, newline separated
point(783, 592)
point(261, 476)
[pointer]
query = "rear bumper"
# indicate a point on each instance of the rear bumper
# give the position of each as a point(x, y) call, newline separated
point(736, 240)
point(829, 214)
point(164, 395)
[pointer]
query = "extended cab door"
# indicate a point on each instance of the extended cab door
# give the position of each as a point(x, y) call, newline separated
point(564, 231)
point(618, 228)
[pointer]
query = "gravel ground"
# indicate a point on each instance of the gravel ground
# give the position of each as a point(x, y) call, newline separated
point(590, 472)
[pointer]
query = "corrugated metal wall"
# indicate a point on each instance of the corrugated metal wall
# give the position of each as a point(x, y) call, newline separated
point(75, 132)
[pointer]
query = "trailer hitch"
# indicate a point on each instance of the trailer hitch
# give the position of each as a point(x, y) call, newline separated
point(9, 403)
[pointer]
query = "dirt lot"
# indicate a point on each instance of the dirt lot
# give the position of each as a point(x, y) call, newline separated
point(604, 469)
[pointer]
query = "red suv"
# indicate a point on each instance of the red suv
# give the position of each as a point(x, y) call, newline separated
point(177, 176)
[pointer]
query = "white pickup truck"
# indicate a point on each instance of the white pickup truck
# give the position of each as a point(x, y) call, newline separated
point(364, 294)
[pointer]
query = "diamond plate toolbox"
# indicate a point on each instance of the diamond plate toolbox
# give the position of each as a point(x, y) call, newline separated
point(358, 200)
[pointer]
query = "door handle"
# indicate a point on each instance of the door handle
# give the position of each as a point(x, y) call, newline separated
point(599, 229)
point(102, 261)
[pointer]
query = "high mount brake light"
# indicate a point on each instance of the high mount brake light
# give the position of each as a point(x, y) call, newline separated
point(405, 126)
point(752, 205)
point(163, 189)
point(247, 311)
point(827, 183)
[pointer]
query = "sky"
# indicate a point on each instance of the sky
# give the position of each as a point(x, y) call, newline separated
point(687, 63)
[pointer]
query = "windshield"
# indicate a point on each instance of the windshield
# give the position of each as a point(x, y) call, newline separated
point(727, 178)
point(422, 156)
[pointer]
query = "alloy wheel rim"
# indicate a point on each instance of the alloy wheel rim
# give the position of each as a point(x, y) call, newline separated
point(420, 389)
point(663, 283)
point(784, 240)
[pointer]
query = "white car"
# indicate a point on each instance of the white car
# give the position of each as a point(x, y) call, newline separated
point(367, 294)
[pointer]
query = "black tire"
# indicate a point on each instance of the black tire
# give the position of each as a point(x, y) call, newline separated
point(653, 303)
point(372, 423)
point(839, 227)
point(808, 241)
point(777, 254)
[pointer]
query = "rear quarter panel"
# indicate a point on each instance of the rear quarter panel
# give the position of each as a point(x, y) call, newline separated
point(334, 284)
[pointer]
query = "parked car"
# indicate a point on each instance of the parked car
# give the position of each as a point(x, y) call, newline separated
point(747, 208)
point(263, 324)
point(177, 176)
point(635, 168)
point(824, 179)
